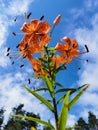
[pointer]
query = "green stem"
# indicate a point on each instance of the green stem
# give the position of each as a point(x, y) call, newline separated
point(55, 113)
point(52, 30)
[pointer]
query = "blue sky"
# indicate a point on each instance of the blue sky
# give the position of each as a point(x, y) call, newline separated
point(80, 21)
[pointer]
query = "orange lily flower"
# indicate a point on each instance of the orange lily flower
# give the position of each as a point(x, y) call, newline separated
point(57, 60)
point(68, 50)
point(37, 66)
point(36, 33)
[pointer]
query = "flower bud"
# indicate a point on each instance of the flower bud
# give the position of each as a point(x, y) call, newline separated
point(57, 19)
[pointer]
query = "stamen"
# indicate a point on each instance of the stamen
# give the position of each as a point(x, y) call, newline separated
point(14, 33)
point(86, 48)
point(41, 18)
point(12, 62)
point(29, 81)
point(28, 16)
point(21, 65)
point(17, 33)
point(17, 45)
point(15, 19)
point(8, 49)
point(7, 54)
point(25, 18)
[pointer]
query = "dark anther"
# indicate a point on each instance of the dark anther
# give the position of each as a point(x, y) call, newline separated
point(14, 33)
point(7, 54)
point(79, 68)
point(17, 45)
point(8, 49)
point(86, 60)
point(41, 18)
point(15, 19)
point(29, 81)
point(21, 65)
point(28, 16)
point(12, 62)
point(86, 48)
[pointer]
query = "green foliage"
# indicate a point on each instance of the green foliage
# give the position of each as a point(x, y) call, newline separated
point(64, 113)
point(92, 123)
point(1, 117)
point(21, 124)
point(39, 97)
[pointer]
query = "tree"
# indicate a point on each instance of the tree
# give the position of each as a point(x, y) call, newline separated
point(46, 128)
point(82, 125)
point(1, 117)
point(15, 123)
point(91, 125)
point(92, 120)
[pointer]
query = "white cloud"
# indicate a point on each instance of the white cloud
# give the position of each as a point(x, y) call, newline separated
point(17, 7)
point(71, 120)
point(89, 4)
point(89, 71)
point(12, 94)
point(9, 9)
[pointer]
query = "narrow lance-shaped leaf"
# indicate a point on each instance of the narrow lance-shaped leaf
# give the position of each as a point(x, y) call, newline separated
point(58, 84)
point(41, 89)
point(49, 85)
point(73, 101)
point(36, 120)
point(64, 113)
point(43, 100)
point(61, 99)
point(72, 90)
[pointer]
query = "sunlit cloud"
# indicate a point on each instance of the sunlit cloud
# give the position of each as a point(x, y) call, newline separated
point(12, 94)
point(89, 71)
point(22, 6)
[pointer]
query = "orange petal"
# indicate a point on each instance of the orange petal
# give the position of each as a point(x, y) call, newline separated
point(34, 24)
point(43, 27)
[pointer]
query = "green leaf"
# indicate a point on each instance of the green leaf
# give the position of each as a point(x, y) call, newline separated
point(58, 84)
point(70, 89)
point(43, 100)
point(62, 67)
point(61, 98)
point(73, 101)
point(41, 89)
point(64, 113)
point(51, 49)
point(65, 90)
point(49, 85)
point(36, 120)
